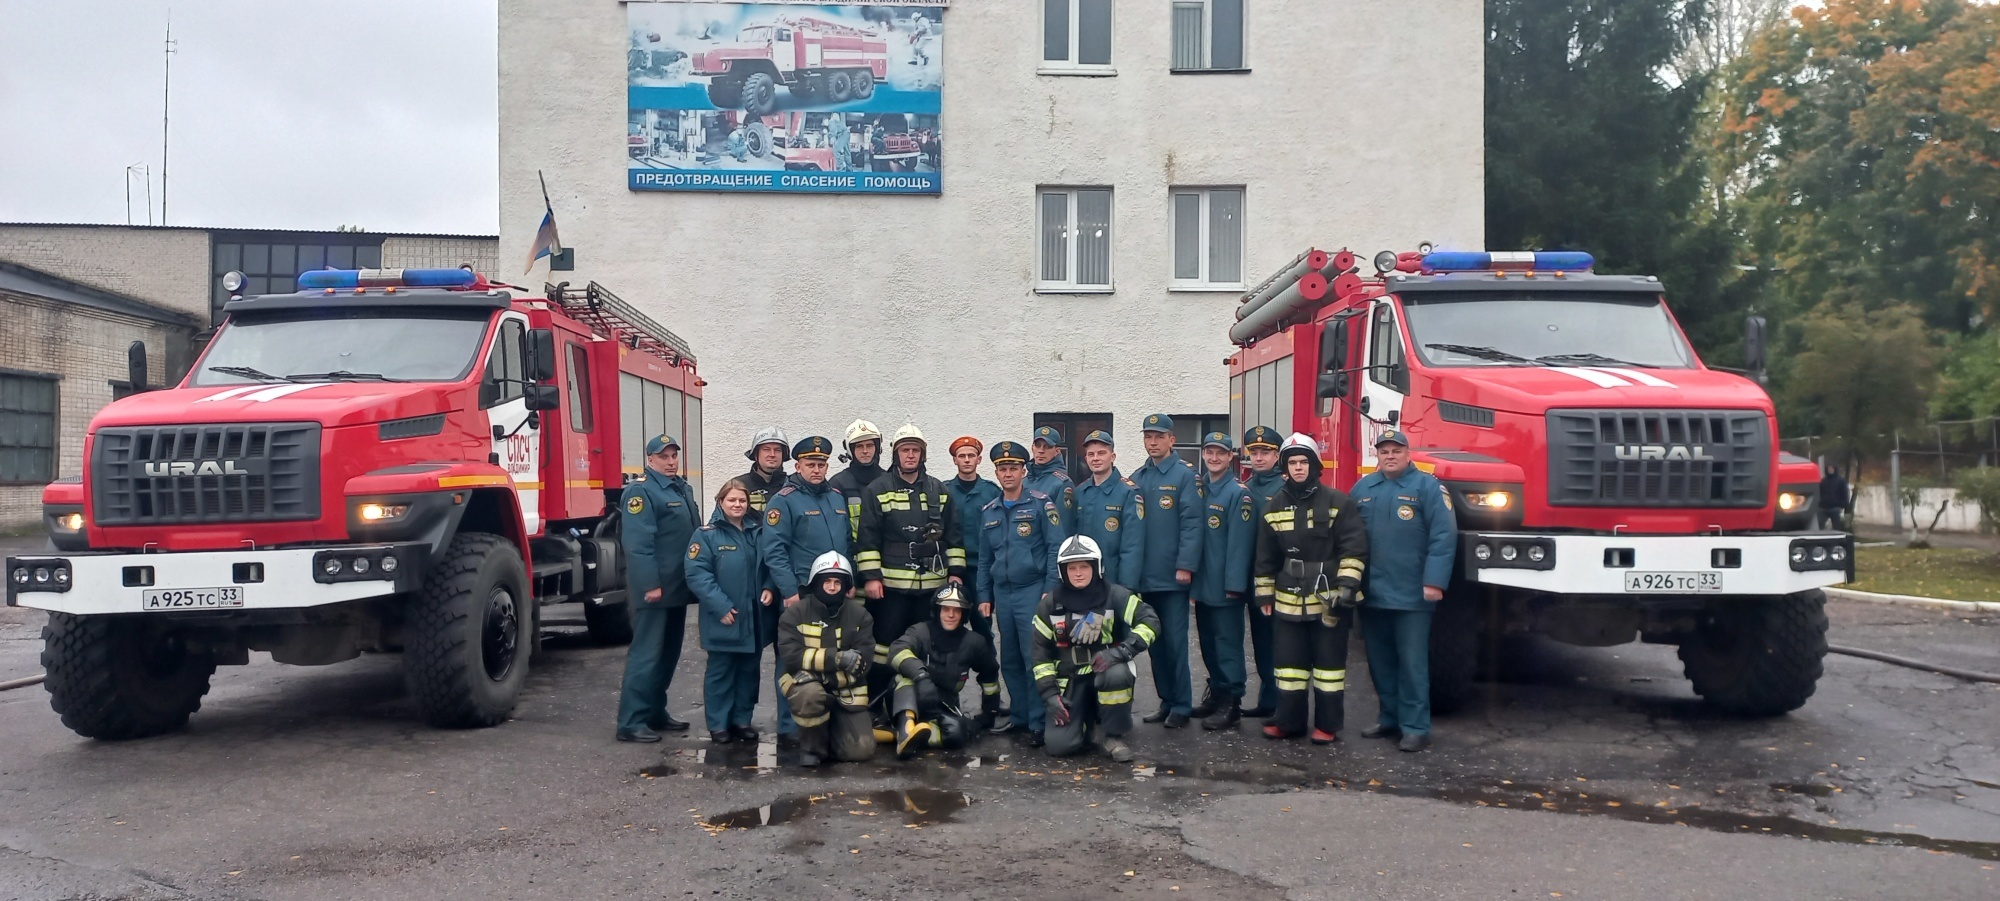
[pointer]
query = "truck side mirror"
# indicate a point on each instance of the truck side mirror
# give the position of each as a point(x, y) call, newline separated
point(135, 366)
point(1333, 347)
point(541, 356)
point(1755, 348)
point(1332, 385)
point(543, 397)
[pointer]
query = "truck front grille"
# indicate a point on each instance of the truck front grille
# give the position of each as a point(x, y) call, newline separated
point(1659, 458)
point(250, 472)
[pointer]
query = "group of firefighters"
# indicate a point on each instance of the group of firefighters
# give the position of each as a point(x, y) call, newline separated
point(885, 589)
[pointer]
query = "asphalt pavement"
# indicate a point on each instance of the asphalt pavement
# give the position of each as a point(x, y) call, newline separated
point(1587, 774)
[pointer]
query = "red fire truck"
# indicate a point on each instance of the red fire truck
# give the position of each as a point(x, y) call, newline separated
point(388, 460)
point(1607, 484)
point(819, 60)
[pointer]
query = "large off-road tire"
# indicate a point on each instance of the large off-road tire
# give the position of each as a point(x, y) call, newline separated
point(760, 94)
point(757, 139)
point(1758, 657)
point(120, 677)
point(863, 82)
point(1456, 635)
point(470, 634)
point(839, 86)
point(725, 93)
point(610, 624)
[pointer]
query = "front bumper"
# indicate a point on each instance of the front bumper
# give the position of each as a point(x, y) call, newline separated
point(1758, 564)
point(100, 584)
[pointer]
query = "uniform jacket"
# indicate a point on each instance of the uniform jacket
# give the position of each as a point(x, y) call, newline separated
point(1053, 480)
point(1412, 538)
point(1112, 515)
point(1310, 542)
point(852, 483)
point(1018, 542)
point(762, 489)
point(892, 547)
point(948, 656)
point(1172, 496)
point(811, 637)
point(1229, 540)
point(801, 522)
point(725, 570)
point(1262, 485)
point(971, 497)
point(1127, 621)
point(658, 519)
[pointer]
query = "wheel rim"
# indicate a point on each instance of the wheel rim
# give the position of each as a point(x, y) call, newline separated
point(498, 638)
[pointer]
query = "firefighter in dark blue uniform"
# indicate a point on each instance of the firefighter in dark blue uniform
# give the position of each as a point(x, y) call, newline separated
point(1172, 495)
point(1017, 541)
point(1109, 512)
point(1260, 444)
point(972, 493)
point(658, 516)
point(1222, 584)
point(1048, 473)
point(1411, 545)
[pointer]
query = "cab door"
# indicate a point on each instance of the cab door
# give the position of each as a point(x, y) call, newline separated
point(574, 440)
point(1385, 384)
point(787, 51)
point(516, 439)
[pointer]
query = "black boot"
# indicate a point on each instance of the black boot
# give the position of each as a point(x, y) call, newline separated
point(1209, 704)
point(1225, 716)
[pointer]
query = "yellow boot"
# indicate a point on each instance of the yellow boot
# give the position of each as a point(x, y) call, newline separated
point(912, 735)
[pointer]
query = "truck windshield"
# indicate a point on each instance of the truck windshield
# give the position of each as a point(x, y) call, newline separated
point(1522, 328)
point(370, 344)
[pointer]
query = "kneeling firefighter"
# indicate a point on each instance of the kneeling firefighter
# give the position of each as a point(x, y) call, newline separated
point(1087, 633)
point(932, 661)
point(826, 644)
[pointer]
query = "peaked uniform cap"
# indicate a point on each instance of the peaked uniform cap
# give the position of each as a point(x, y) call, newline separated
point(1261, 436)
point(658, 444)
point(1158, 422)
point(1393, 436)
point(813, 448)
point(1050, 434)
point(1099, 436)
point(1008, 452)
point(1218, 439)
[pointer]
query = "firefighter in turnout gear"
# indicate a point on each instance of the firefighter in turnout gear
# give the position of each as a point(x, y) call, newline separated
point(1222, 584)
point(864, 466)
point(932, 662)
point(1087, 633)
point(1017, 536)
point(1312, 549)
point(908, 547)
point(768, 453)
point(1048, 473)
point(1260, 444)
point(826, 642)
point(1110, 511)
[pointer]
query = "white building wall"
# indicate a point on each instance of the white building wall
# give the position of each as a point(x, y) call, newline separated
point(438, 252)
point(165, 266)
point(1359, 125)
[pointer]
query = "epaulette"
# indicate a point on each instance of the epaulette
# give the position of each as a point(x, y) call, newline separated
point(788, 489)
point(708, 527)
point(1131, 484)
point(1036, 494)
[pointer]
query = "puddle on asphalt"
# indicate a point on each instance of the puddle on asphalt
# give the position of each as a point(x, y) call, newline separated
point(910, 807)
point(736, 762)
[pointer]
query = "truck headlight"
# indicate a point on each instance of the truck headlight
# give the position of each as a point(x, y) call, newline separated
point(1787, 501)
point(21, 575)
point(382, 512)
point(71, 521)
point(50, 574)
point(1490, 500)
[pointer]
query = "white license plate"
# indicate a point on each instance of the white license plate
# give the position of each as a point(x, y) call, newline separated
point(193, 598)
point(1672, 583)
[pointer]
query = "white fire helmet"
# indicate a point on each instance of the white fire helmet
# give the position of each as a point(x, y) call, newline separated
point(909, 432)
point(861, 430)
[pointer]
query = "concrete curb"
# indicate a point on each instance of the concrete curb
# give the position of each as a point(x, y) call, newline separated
point(1904, 600)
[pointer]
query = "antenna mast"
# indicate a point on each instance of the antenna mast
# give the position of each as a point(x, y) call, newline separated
point(166, 106)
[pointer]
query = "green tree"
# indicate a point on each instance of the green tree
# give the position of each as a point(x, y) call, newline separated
point(1968, 384)
point(1860, 374)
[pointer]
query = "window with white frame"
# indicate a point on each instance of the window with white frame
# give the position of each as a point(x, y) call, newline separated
point(1207, 228)
point(1074, 253)
point(1208, 34)
point(1076, 34)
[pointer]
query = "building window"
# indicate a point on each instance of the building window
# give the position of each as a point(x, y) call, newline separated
point(1076, 36)
point(1074, 426)
point(1208, 238)
point(1075, 250)
point(1208, 35)
point(1188, 431)
point(27, 428)
point(271, 261)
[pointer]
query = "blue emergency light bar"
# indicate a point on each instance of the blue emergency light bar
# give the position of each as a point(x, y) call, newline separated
point(387, 278)
point(1540, 260)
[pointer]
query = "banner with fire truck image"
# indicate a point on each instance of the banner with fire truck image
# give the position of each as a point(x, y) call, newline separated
point(784, 97)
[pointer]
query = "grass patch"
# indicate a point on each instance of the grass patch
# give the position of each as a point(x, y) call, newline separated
point(1959, 574)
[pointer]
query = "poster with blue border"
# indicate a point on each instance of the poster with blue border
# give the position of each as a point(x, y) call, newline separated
point(784, 97)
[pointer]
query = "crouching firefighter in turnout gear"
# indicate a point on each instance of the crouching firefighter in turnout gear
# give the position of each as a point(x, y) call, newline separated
point(1087, 633)
point(826, 643)
point(1312, 548)
point(932, 661)
point(907, 549)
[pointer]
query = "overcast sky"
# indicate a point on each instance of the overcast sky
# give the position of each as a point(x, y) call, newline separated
point(305, 114)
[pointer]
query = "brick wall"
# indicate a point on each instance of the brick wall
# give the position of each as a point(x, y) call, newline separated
point(442, 253)
point(86, 348)
point(168, 267)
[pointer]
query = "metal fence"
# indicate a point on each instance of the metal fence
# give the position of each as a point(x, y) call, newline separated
point(1930, 456)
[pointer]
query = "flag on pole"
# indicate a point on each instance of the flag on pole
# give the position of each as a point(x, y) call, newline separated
point(546, 242)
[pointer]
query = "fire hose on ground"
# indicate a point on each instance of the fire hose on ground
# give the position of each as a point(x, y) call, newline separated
point(1966, 674)
point(35, 679)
